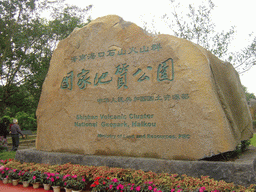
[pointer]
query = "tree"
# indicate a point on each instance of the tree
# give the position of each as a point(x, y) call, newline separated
point(26, 121)
point(198, 27)
point(27, 42)
point(248, 95)
point(18, 99)
point(245, 59)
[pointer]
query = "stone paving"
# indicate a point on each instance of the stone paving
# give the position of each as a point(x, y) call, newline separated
point(11, 188)
point(24, 144)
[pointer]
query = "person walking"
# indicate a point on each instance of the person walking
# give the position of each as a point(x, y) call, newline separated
point(15, 131)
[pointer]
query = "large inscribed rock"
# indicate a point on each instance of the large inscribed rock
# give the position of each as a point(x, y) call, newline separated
point(113, 89)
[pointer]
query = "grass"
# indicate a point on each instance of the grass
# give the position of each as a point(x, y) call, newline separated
point(11, 154)
point(253, 140)
point(7, 155)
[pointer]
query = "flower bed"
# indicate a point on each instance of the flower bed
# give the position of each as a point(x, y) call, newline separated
point(113, 179)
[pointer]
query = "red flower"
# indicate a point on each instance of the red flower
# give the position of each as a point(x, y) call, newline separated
point(96, 182)
point(93, 185)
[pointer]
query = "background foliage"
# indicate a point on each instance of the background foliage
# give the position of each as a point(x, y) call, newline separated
point(27, 41)
point(195, 24)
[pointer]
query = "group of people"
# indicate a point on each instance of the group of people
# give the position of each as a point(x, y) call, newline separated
point(13, 129)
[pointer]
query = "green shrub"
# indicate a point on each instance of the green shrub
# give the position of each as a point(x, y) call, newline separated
point(253, 140)
point(7, 117)
point(26, 121)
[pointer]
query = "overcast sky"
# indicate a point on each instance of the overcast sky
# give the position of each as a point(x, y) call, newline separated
point(226, 13)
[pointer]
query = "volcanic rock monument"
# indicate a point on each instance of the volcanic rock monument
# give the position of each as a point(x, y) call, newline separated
point(113, 89)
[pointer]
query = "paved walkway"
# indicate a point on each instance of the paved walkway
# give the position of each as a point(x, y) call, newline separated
point(11, 188)
point(24, 144)
point(19, 188)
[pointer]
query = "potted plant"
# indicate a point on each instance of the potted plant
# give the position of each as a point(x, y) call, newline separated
point(4, 173)
point(45, 180)
point(76, 183)
point(34, 179)
point(14, 176)
point(56, 181)
point(24, 177)
point(66, 184)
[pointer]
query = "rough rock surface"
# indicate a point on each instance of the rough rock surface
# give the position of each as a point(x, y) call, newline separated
point(113, 89)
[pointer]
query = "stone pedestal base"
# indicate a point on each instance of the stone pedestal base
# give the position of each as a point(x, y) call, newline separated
point(241, 171)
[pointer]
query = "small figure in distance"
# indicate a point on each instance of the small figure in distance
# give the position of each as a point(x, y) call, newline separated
point(15, 131)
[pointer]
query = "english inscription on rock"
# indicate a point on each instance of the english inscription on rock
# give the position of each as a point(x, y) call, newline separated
point(113, 89)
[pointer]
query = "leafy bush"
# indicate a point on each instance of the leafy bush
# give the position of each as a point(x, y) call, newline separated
point(8, 118)
point(26, 121)
point(253, 140)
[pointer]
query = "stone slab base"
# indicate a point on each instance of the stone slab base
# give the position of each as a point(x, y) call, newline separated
point(241, 171)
